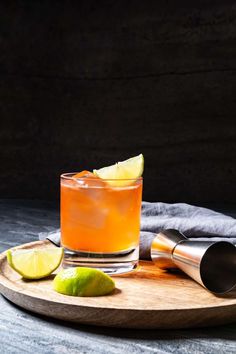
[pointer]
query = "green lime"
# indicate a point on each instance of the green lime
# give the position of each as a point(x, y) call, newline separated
point(81, 281)
point(35, 263)
point(126, 170)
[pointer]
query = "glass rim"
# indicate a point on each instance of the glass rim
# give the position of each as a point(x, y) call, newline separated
point(65, 175)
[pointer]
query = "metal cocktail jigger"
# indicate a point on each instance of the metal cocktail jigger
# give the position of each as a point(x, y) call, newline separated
point(211, 264)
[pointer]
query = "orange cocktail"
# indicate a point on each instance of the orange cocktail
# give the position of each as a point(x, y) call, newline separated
point(100, 222)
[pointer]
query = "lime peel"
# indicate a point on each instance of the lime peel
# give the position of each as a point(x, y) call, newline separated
point(82, 281)
point(35, 263)
point(122, 173)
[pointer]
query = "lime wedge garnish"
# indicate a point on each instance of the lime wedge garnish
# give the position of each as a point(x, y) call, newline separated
point(35, 263)
point(81, 281)
point(124, 171)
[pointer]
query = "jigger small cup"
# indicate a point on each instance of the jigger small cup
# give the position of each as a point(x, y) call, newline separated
point(211, 264)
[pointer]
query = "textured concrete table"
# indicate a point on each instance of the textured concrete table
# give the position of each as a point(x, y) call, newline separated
point(23, 332)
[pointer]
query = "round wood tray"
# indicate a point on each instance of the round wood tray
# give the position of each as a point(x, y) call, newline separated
point(145, 298)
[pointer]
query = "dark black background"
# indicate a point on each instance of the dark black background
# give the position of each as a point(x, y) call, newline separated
point(86, 83)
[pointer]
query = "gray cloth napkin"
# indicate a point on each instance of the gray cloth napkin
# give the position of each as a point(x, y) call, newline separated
point(194, 222)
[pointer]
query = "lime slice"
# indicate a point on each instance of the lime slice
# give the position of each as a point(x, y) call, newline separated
point(123, 171)
point(35, 263)
point(81, 281)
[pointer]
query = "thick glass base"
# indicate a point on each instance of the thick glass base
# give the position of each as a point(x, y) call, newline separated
point(110, 263)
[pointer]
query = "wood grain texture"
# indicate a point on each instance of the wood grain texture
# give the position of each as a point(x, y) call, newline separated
point(88, 84)
point(26, 332)
point(146, 298)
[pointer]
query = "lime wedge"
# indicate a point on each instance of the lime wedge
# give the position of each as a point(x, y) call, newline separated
point(35, 263)
point(81, 281)
point(123, 171)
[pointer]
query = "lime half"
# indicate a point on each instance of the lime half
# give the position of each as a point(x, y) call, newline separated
point(120, 173)
point(35, 263)
point(82, 281)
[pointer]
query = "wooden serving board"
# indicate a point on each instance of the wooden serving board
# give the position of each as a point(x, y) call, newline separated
point(146, 298)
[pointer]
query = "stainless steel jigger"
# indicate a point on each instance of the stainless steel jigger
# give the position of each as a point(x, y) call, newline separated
point(211, 264)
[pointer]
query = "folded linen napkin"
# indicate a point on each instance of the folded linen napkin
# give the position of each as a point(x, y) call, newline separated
point(194, 222)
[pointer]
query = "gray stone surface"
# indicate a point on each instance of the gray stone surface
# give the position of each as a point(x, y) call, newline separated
point(23, 332)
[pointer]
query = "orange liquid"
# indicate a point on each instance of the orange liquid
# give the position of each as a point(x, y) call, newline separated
point(100, 218)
